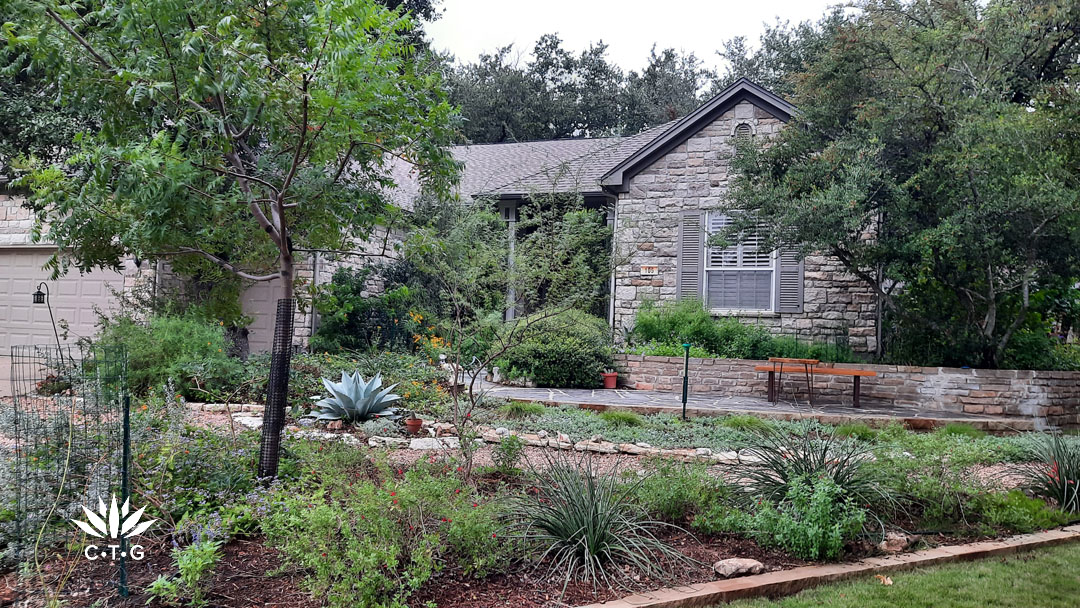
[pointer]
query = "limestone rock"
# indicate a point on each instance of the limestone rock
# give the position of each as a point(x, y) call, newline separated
point(502, 431)
point(388, 442)
point(596, 438)
point(431, 443)
point(444, 428)
point(895, 542)
point(562, 438)
point(600, 447)
point(335, 425)
point(542, 434)
point(306, 422)
point(737, 566)
point(703, 452)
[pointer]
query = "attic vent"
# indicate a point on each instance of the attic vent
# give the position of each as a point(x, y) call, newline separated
point(743, 133)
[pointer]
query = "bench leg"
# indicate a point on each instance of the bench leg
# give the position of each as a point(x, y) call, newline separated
point(772, 387)
point(855, 401)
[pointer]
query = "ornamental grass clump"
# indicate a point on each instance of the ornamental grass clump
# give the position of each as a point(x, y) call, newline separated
point(588, 524)
point(776, 459)
point(1055, 474)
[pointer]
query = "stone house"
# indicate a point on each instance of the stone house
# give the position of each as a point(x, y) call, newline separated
point(662, 190)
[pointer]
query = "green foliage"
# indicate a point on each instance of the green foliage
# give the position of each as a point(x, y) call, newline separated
point(680, 322)
point(586, 523)
point(507, 453)
point(966, 173)
point(961, 429)
point(352, 318)
point(813, 521)
point(676, 492)
point(186, 349)
point(567, 349)
point(745, 422)
point(223, 145)
point(376, 541)
point(780, 460)
point(1017, 512)
point(856, 430)
point(1055, 475)
point(520, 410)
point(354, 400)
point(617, 418)
point(664, 349)
point(665, 327)
point(417, 379)
point(196, 563)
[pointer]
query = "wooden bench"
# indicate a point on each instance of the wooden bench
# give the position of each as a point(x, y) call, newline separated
point(811, 368)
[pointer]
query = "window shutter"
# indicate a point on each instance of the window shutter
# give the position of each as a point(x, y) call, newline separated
point(691, 255)
point(789, 282)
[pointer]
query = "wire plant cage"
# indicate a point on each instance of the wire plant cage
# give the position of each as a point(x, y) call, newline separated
point(66, 436)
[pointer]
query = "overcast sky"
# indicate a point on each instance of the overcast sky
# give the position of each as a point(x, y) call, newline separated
point(629, 27)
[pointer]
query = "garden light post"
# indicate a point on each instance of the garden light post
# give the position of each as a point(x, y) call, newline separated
point(685, 378)
point(42, 297)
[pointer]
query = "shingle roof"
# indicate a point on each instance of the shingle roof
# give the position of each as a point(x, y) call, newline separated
point(578, 165)
point(522, 168)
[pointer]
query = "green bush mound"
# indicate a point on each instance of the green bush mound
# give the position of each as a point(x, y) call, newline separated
point(569, 349)
point(660, 330)
point(186, 349)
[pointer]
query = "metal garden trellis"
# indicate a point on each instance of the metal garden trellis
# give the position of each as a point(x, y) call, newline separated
point(70, 431)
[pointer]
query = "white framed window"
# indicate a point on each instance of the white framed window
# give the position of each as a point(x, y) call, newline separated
point(740, 277)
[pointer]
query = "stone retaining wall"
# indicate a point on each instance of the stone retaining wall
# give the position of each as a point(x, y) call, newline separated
point(1051, 398)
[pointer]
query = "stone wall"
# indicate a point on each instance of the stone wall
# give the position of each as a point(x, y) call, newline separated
point(1051, 398)
point(16, 221)
point(696, 175)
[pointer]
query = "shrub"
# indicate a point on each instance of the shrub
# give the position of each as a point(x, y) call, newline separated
point(354, 319)
point(678, 322)
point(187, 349)
point(587, 524)
point(778, 460)
point(520, 410)
point(565, 350)
point(374, 543)
point(507, 453)
point(676, 491)
point(618, 418)
point(1017, 512)
point(1055, 475)
point(959, 429)
point(813, 521)
point(666, 349)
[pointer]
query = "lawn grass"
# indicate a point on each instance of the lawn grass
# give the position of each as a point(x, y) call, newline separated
point(1045, 578)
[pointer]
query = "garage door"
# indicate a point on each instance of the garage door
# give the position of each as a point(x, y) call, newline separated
point(73, 298)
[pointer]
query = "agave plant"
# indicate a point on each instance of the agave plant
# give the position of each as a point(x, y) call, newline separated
point(354, 400)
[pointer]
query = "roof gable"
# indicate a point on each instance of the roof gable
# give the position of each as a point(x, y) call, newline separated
point(741, 90)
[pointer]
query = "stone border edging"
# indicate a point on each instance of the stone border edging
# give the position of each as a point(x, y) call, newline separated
point(789, 582)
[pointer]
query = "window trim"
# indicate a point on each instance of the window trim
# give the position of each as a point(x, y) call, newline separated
point(772, 268)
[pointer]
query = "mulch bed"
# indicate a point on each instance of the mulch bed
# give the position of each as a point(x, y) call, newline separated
point(246, 576)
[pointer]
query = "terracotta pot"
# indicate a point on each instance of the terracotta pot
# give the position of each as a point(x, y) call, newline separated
point(413, 425)
point(610, 379)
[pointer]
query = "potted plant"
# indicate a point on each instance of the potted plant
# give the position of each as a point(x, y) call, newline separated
point(413, 424)
point(611, 378)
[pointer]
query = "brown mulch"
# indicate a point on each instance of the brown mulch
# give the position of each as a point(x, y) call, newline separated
point(247, 575)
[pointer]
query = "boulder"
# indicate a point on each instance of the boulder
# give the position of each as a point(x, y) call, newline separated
point(737, 566)
point(895, 542)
